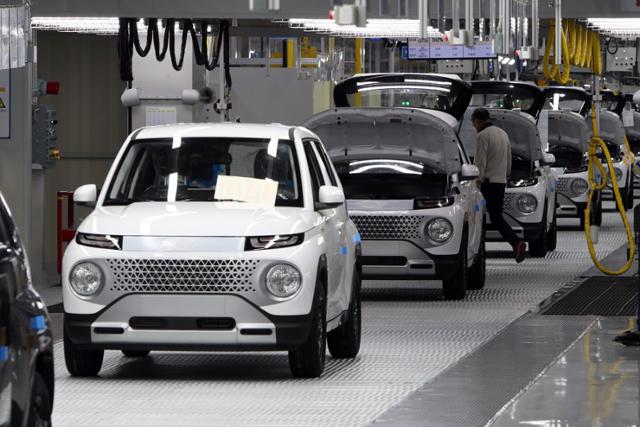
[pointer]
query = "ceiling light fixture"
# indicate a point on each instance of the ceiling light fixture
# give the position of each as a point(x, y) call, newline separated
point(375, 28)
point(626, 28)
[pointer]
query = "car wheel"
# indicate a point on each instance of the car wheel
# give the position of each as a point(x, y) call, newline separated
point(552, 234)
point(135, 353)
point(455, 287)
point(40, 406)
point(344, 341)
point(478, 271)
point(538, 247)
point(598, 214)
point(307, 361)
point(80, 362)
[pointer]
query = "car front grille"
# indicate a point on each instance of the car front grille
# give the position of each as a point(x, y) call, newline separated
point(182, 275)
point(390, 227)
point(509, 198)
point(563, 185)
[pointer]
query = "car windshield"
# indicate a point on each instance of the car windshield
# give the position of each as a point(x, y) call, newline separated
point(503, 101)
point(164, 170)
point(564, 101)
point(390, 179)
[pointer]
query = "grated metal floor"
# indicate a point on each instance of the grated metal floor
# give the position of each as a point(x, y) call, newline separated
point(410, 336)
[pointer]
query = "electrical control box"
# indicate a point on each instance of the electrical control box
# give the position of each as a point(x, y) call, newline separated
point(623, 60)
point(44, 136)
point(457, 66)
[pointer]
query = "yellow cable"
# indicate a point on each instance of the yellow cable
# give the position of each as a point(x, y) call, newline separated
point(594, 162)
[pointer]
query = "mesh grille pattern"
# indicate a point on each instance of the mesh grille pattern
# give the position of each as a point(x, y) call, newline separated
point(509, 199)
point(182, 275)
point(563, 185)
point(405, 227)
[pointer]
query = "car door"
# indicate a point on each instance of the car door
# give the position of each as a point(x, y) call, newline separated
point(327, 229)
point(473, 202)
point(7, 296)
point(338, 221)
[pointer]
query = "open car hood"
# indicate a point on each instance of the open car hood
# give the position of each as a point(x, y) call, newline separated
point(613, 101)
point(527, 93)
point(634, 132)
point(611, 129)
point(391, 133)
point(565, 95)
point(521, 128)
point(453, 93)
point(568, 129)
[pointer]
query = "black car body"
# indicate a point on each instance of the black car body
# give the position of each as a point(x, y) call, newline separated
point(26, 343)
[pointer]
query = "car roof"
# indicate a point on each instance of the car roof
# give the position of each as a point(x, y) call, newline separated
point(221, 130)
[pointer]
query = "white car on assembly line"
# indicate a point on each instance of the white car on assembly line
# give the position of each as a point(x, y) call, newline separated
point(568, 140)
point(214, 237)
point(530, 197)
point(409, 185)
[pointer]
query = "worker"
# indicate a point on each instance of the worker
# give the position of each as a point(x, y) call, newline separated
point(493, 159)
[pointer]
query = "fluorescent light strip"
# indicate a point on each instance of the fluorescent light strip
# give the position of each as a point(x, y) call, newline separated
point(397, 28)
point(617, 27)
point(400, 86)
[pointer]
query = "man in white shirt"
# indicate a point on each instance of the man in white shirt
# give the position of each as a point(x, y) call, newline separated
point(493, 159)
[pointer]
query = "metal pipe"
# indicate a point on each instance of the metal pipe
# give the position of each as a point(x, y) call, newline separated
point(534, 23)
point(441, 16)
point(505, 25)
point(455, 17)
point(423, 16)
point(558, 45)
point(492, 19)
point(468, 16)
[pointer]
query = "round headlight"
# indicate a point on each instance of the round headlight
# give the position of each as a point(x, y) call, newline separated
point(439, 230)
point(579, 186)
point(618, 172)
point(86, 279)
point(283, 280)
point(527, 203)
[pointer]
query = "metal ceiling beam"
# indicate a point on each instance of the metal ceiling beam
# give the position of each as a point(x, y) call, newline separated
point(179, 9)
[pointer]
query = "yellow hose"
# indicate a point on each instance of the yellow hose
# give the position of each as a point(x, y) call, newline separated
point(594, 162)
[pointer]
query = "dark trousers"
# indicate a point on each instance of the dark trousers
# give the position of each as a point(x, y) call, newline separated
point(494, 195)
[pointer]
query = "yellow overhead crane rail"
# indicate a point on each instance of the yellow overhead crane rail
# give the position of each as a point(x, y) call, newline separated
point(580, 48)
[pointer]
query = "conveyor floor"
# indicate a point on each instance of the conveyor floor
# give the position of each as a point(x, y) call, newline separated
point(410, 336)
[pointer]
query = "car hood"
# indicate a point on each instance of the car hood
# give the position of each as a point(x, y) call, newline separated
point(521, 128)
point(391, 133)
point(568, 129)
point(611, 128)
point(221, 219)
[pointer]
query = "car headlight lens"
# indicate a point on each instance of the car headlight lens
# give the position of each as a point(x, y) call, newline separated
point(283, 280)
point(439, 230)
point(579, 186)
point(618, 172)
point(86, 279)
point(273, 242)
point(99, 240)
point(527, 203)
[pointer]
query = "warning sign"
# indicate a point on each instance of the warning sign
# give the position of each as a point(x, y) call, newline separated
point(5, 104)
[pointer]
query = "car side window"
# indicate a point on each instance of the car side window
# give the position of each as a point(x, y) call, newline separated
point(326, 162)
point(317, 179)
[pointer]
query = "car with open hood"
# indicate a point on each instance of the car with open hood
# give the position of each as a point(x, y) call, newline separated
point(613, 132)
point(568, 136)
point(530, 197)
point(26, 342)
point(409, 184)
point(214, 237)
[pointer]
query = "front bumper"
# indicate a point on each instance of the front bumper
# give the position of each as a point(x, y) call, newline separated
point(568, 207)
point(393, 259)
point(525, 231)
point(185, 322)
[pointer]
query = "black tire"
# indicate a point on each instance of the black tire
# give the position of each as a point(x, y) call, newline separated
point(135, 353)
point(307, 361)
point(478, 271)
point(344, 341)
point(538, 247)
point(598, 214)
point(81, 363)
point(552, 234)
point(40, 406)
point(455, 287)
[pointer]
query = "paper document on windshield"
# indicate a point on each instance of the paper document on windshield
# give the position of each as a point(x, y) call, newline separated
point(251, 190)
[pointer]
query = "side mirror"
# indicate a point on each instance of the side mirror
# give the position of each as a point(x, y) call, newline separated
point(329, 197)
point(548, 159)
point(86, 195)
point(469, 172)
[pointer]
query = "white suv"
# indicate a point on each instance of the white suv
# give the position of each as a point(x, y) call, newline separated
point(410, 187)
point(530, 197)
point(568, 136)
point(214, 237)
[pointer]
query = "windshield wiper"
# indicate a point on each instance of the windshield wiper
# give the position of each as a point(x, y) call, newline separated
point(226, 200)
point(125, 202)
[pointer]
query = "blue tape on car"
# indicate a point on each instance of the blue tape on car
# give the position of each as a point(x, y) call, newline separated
point(343, 250)
point(477, 207)
point(37, 323)
point(4, 353)
point(357, 238)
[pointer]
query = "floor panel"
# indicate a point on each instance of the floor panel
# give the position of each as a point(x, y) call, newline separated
point(409, 337)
